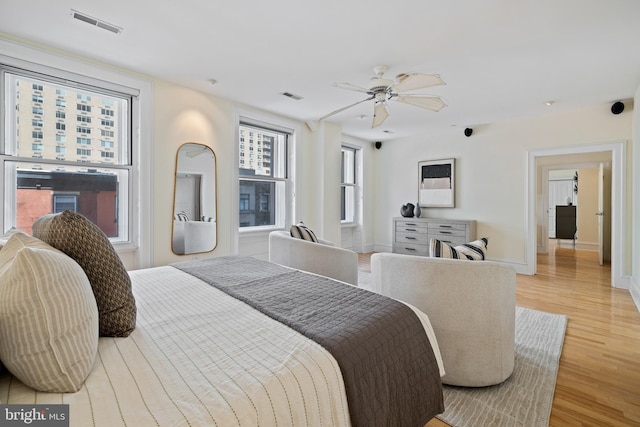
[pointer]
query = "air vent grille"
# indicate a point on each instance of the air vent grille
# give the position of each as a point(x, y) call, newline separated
point(95, 22)
point(292, 96)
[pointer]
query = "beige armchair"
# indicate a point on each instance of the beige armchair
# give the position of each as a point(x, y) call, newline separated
point(320, 258)
point(471, 306)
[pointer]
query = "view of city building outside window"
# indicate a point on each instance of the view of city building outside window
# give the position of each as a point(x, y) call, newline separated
point(262, 172)
point(66, 148)
point(348, 185)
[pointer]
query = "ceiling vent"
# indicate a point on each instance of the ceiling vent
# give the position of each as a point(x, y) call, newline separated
point(95, 22)
point(292, 96)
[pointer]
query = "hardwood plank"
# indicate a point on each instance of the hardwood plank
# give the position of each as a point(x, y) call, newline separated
point(599, 373)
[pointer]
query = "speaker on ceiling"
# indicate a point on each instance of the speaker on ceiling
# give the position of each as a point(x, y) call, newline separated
point(468, 132)
point(378, 144)
point(617, 107)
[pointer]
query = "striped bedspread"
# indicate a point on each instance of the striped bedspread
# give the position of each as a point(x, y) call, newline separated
point(199, 357)
point(390, 371)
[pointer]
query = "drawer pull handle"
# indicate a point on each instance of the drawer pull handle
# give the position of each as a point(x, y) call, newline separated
point(445, 226)
point(410, 223)
point(409, 229)
point(445, 232)
point(410, 238)
point(410, 249)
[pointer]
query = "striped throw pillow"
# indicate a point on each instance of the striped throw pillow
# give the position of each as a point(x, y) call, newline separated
point(48, 316)
point(472, 251)
point(181, 216)
point(301, 231)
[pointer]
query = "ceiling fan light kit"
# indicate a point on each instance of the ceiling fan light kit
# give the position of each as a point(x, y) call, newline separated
point(381, 90)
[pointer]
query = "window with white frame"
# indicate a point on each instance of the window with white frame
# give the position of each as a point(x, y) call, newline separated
point(263, 180)
point(348, 185)
point(40, 175)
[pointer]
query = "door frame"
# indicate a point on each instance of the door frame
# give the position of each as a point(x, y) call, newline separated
point(618, 205)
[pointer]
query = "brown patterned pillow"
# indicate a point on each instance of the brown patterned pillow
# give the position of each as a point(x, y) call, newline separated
point(87, 244)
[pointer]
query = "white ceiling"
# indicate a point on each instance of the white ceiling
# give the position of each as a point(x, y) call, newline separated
point(501, 59)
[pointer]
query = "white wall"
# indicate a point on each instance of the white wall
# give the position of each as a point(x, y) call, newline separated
point(634, 202)
point(491, 172)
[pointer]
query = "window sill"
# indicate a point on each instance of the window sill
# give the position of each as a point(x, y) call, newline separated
point(349, 225)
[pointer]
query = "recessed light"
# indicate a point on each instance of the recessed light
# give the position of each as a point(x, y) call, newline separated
point(549, 103)
point(212, 81)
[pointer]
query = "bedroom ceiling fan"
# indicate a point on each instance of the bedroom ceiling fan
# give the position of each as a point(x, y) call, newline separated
point(381, 90)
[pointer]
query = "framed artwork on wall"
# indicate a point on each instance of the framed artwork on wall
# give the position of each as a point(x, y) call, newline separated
point(436, 183)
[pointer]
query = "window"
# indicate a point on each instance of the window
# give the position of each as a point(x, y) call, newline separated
point(244, 202)
point(348, 185)
point(64, 202)
point(263, 185)
point(40, 176)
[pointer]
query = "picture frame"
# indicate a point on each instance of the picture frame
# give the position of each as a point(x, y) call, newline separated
point(436, 183)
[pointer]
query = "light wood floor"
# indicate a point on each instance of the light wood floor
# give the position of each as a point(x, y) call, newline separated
point(599, 374)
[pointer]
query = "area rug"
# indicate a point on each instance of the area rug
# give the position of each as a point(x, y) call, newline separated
point(525, 398)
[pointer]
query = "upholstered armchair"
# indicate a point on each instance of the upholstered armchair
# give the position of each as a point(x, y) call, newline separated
point(320, 257)
point(471, 306)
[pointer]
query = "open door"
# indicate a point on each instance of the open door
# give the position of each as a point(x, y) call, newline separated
point(600, 214)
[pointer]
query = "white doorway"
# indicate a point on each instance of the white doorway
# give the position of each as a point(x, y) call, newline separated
point(537, 205)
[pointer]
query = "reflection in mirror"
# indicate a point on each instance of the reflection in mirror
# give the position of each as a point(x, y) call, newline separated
point(194, 200)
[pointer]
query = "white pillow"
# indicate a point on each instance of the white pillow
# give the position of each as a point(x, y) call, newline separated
point(48, 316)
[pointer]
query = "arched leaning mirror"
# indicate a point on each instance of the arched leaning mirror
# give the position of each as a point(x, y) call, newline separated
point(194, 200)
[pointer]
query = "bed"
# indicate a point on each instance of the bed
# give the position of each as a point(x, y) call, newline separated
point(211, 347)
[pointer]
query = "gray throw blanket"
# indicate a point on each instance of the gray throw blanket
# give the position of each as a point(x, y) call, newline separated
point(390, 372)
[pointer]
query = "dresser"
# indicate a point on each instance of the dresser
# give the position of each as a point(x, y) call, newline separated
point(412, 235)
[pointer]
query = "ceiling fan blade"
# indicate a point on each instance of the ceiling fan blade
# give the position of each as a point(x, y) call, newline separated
point(345, 108)
point(413, 81)
point(380, 114)
point(350, 86)
point(433, 103)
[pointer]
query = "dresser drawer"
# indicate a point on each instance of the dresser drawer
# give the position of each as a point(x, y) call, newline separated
point(436, 227)
point(411, 249)
point(411, 227)
point(409, 237)
point(448, 232)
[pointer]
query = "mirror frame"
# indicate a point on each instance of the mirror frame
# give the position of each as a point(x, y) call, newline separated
point(215, 189)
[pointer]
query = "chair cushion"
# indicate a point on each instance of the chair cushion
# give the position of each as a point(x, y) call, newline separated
point(301, 231)
point(48, 316)
point(476, 250)
point(87, 244)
